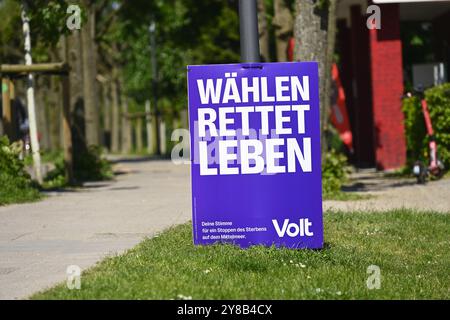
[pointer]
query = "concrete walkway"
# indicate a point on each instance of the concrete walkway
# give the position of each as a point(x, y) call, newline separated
point(38, 241)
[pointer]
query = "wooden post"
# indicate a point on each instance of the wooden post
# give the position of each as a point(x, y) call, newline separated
point(7, 114)
point(67, 133)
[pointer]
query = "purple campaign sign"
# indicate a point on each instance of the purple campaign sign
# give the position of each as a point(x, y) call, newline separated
point(255, 154)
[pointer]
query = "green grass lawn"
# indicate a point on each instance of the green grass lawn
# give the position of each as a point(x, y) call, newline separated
point(411, 249)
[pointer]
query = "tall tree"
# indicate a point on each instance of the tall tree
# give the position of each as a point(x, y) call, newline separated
point(89, 58)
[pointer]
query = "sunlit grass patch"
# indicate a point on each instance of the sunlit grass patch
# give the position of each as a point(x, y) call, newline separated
point(410, 248)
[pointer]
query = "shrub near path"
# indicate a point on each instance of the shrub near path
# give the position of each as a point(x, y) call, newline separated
point(15, 184)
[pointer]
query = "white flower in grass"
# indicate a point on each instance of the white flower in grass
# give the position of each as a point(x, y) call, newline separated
point(207, 271)
point(318, 290)
point(338, 293)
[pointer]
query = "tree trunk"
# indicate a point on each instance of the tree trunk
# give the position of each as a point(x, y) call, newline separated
point(328, 65)
point(283, 22)
point(311, 37)
point(72, 53)
point(107, 114)
point(115, 121)
point(155, 135)
point(91, 112)
point(138, 131)
point(66, 123)
point(7, 109)
point(74, 58)
point(30, 99)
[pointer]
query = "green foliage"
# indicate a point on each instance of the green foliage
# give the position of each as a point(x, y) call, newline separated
point(15, 183)
point(438, 99)
point(334, 173)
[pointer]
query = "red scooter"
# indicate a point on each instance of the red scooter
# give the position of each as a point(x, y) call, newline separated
point(435, 167)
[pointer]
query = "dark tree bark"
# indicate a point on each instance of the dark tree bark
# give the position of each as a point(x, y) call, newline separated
point(138, 134)
point(331, 40)
point(76, 66)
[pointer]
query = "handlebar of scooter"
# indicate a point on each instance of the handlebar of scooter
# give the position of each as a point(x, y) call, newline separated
point(418, 91)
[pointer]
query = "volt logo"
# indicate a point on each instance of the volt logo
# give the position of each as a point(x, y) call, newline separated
point(293, 229)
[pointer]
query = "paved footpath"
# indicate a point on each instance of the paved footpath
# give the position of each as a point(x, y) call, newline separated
point(38, 241)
